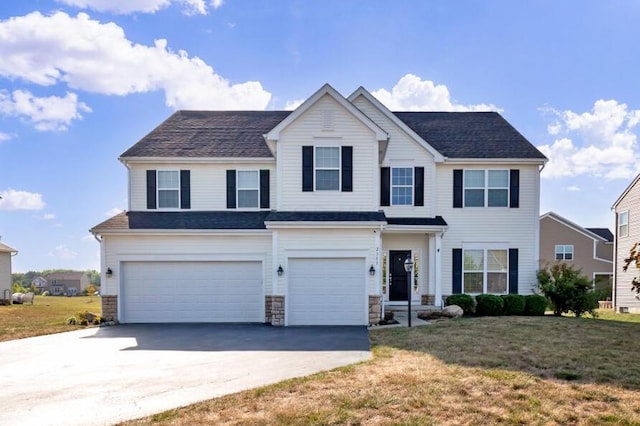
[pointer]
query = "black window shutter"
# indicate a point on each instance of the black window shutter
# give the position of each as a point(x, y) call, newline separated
point(185, 189)
point(514, 188)
point(347, 169)
point(231, 189)
point(151, 189)
point(264, 189)
point(456, 271)
point(457, 188)
point(307, 169)
point(513, 271)
point(418, 189)
point(385, 186)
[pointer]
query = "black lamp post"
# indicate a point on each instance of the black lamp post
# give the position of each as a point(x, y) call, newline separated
point(408, 266)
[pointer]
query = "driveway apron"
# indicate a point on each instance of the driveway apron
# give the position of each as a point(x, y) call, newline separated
point(104, 375)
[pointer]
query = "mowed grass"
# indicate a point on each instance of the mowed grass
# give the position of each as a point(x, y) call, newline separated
point(471, 371)
point(47, 315)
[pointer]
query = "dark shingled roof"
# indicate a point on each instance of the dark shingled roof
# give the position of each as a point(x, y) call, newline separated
point(184, 220)
point(602, 232)
point(210, 134)
point(470, 134)
point(421, 221)
point(239, 134)
point(326, 217)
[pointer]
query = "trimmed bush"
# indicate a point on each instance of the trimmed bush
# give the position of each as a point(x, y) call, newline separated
point(465, 301)
point(513, 304)
point(535, 304)
point(489, 305)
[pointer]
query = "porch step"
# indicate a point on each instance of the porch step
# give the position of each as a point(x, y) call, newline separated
point(414, 308)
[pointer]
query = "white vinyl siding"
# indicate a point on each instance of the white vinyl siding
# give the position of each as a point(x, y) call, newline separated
point(629, 205)
point(207, 182)
point(5, 273)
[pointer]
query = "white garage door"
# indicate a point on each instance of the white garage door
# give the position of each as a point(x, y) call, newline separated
point(192, 292)
point(327, 292)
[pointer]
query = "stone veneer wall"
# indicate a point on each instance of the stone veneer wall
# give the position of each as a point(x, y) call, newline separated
point(428, 299)
point(274, 310)
point(374, 309)
point(109, 307)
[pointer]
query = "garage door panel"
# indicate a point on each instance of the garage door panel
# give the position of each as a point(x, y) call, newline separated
point(193, 292)
point(326, 291)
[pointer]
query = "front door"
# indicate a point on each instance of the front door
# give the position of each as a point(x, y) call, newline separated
point(397, 275)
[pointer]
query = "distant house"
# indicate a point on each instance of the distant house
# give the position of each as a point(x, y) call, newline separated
point(63, 283)
point(588, 249)
point(6, 253)
point(627, 210)
point(40, 284)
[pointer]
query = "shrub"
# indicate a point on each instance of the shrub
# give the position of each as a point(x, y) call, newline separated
point(465, 301)
point(489, 305)
point(535, 304)
point(513, 304)
point(567, 290)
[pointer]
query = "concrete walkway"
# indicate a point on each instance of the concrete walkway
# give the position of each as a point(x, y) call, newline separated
point(105, 375)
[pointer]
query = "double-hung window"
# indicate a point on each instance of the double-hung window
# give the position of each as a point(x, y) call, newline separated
point(564, 252)
point(402, 186)
point(327, 168)
point(248, 189)
point(486, 188)
point(485, 271)
point(168, 189)
point(623, 224)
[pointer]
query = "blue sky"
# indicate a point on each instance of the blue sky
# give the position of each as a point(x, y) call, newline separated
point(82, 80)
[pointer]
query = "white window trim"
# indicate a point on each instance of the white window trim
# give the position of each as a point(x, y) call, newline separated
point(485, 189)
point(485, 271)
point(626, 234)
point(257, 207)
point(413, 183)
point(316, 168)
point(158, 189)
point(564, 252)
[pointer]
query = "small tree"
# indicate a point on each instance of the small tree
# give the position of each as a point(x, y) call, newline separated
point(567, 290)
point(634, 257)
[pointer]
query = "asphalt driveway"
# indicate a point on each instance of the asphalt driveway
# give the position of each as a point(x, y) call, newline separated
point(105, 375)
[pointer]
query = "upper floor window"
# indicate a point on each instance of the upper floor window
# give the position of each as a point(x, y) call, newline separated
point(564, 252)
point(248, 189)
point(486, 188)
point(402, 186)
point(623, 224)
point(485, 271)
point(327, 168)
point(168, 189)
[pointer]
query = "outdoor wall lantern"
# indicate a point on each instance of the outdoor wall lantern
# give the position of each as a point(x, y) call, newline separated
point(109, 272)
point(372, 271)
point(408, 266)
point(280, 270)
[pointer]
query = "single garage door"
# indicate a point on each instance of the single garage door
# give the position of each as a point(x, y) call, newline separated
point(192, 292)
point(326, 291)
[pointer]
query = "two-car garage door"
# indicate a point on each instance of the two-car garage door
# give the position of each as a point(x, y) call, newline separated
point(192, 292)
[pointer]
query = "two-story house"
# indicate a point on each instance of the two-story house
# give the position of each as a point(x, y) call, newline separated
point(587, 249)
point(306, 217)
point(6, 253)
point(70, 283)
point(627, 211)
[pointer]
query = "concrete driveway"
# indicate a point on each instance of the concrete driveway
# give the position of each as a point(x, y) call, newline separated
point(104, 375)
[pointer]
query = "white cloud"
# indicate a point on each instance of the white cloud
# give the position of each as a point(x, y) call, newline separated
point(411, 93)
point(88, 237)
point(573, 188)
point(599, 142)
point(125, 7)
point(49, 216)
point(291, 105)
point(4, 137)
point(95, 57)
point(47, 113)
point(20, 200)
point(63, 252)
point(114, 211)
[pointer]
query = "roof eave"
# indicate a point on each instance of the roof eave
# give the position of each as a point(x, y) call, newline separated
point(173, 160)
point(536, 161)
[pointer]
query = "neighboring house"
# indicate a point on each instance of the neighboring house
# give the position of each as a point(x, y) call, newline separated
point(627, 211)
point(587, 249)
point(307, 217)
point(66, 283)
point(40, 284)
point(6, 283)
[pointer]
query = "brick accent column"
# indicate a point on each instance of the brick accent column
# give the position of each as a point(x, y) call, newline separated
point(374, 309)
point(428, 299)
point(110, 307)
point(274, 310)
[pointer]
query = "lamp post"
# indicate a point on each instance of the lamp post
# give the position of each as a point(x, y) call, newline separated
point(408, 266)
